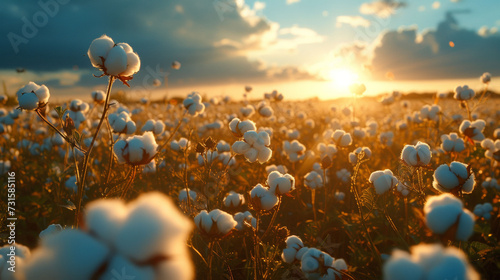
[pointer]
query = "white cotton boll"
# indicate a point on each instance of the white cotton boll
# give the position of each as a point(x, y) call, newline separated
point(153, 227)
point(203, 221)
point(98, 96)
point(444, 179)
point(222, 147)
point(401, 266)
point(418, 155)
point(313, 180)
point(51, 229)
point(473, 130)
point(263, 198)
point(465, 226)
point(294, 241)
point(69, 254)
point(116, 61)
point(247, 111)
point(225, 222)
point(31, 96)
point(383, 180)
point(485, 78)
point(309, 261)
point(193, 104)
point(280, 168)
point(449, 267)
point(441, 212)
point(133, 64)
point(234, 199)
point(265, 111)
point(119, 265)
point(238, 128)
point(179, 268)
point(105, 217)
point(99, 49)
point(288, 255)
point(280, 184)
point(22, 254)
point(183, 195)
point(118, 149)
point(240, 147)
point(464, 93)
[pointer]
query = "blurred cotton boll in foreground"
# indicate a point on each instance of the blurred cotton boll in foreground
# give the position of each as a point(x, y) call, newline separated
point(117, 60)
point(22, 253)
point(445, 215)
point(136, 150)
point(148, 234)
point(32, 96)
point(428, 261)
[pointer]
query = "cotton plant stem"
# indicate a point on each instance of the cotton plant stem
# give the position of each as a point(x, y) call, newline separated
point(313, 200)
point(66, 138)
point(395, 229)
point(256, 248)
point(111, 159)
point(210, 257)
point(272, 220)
point(81, 187)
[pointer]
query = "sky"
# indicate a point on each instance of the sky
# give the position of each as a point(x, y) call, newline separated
point(303, 48)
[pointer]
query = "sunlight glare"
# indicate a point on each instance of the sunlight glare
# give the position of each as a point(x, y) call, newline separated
point(343, 77)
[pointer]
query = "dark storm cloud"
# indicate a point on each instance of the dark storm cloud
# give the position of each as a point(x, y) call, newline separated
point(50, 35)
point(431, 56)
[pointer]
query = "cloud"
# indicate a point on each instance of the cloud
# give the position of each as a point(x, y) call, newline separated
point(210, 38)
point(410, 55)
point(484, 31)
point(381, 8)
point(436, 5)
point(353, 21)
point(289, 2)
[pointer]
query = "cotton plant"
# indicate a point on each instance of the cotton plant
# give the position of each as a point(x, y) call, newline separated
point(214, 224)
point(429, 261)
point(313, 180)
point(445, 216)
point(115, 60)
point(179, 145)
point(492, 149)
point(122, 123)
point(183, 195)
point(193, 104)
point(155, 126)
point(136, 150)
point(293, 245)
point(254, 146)
point(234, 200)
point(490, 183)
point(76, 112)
point(327, 150)
point(455, 178)
point(343, 175)
point(208, 157)
point(464, 93)
point(295, 151)
point(247, 111)
point(473, 130)
point(274, 96)
point(341, 138)
point(383, 180)
point(239, 128)
point(280, 168)
point(33, 96)
point(280, 183)
point(452, 143)
point(243, 220)
point(430, 112)
point(148, 236)
point(50, 230)
point(483, 210)
point(416, 156)
point(353, 156)
point(265, 110)
point(263, 198)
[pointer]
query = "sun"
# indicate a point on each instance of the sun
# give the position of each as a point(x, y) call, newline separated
point(343, 77)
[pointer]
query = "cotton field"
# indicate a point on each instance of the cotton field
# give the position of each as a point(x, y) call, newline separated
point(258, 187)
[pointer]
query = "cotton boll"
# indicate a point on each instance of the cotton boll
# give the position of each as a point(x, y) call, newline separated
point(465, 226)
point(133, 64)
point(183, 195)
point(418, 155)
point(154, 227)
point(70, 254)
point(22, 255)
point(193, 104)
point(234, 199)
point(280, 184)
point(224, 221)
point(473, 130)
point(441, 212)
point(51, 229)
point(32, 96)
point(105, 217)
point(313, 180)
point(238, 128)
point(383, 180)
point(116, 61)
point(464, 93)
point(288, 255)
point(262, 198)
point(401, 266)
point(99, 49)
